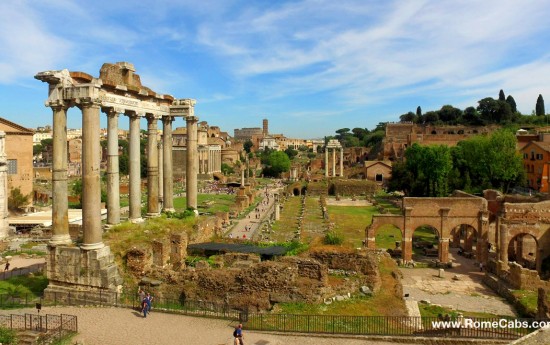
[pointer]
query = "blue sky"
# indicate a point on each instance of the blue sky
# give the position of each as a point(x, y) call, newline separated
point(310, 67)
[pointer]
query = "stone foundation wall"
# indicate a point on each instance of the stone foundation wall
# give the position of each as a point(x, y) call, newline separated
point(522, 278)
point(353, 187)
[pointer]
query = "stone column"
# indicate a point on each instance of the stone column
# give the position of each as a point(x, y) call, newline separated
point(60, 206)
point(161, 173)
point(91, 187)
point(192, 162)
point(341, 162)
point(4, 224)
point(443, 250)
point(468, 240)
point(326, 161)
point(167, 176)
point(503, 254)
point(113, 176)
point(152, 167)
point(370, 237)
point(334, 162)
point(135, 170)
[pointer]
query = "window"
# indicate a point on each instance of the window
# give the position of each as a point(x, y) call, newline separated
point(12, 166)
point(525, 156)
point(539, 156)
point(379, 178)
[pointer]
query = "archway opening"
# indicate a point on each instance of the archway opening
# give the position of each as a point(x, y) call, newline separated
point(523, 249)
point(304, 190)
point(425, 242)
point(389, 237)
point(296, 191)
point(464, 238)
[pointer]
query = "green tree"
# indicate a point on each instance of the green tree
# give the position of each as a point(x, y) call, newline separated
point(449, 114)
point(247, 145)
point(277, 163)
point(16, 199)
point(539, 108)
point(408, 117)
point(418, 112)
point(431, 117)
point(510, 100)
point(501, 96)
point(226, 169)
point(290, 152)
point(36, 149)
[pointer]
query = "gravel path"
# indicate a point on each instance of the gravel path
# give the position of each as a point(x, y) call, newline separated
point(118, 326)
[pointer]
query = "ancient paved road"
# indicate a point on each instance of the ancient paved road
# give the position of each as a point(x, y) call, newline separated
point(468, 293)
point(118, 326)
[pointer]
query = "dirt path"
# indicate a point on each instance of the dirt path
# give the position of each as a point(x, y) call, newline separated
point(117, 326)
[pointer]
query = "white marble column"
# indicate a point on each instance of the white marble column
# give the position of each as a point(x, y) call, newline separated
point(91, 187)
point(161, 172)
point(4, 224)
point(60, 206)
point(326, 161)
point(135, 170)
point(152, 167)
point(341, 162)
point(167, 176)
point(192, 162)
point(333, 162)
point(113, 176)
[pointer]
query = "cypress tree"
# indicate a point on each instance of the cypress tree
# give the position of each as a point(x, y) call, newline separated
point(418, 111)
point(501, 96)
point(539, 108)
point(510, 100)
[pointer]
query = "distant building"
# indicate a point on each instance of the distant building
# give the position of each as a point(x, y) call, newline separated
point(247, 133)
point(536, 161)
point(18, 147)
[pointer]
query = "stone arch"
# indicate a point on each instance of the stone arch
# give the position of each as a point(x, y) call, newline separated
point(296, 191)
point(523, 248)
point(464, 237)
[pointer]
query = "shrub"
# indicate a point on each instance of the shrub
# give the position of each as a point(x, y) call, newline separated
point(333, 238)
point(8, 336)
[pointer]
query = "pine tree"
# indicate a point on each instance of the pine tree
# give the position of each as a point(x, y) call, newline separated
point(501, 96)
point(539, 108)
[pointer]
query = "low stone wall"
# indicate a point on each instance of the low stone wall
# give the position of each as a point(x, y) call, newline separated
point(353, 187)
point(522, 278)
point(505, 291)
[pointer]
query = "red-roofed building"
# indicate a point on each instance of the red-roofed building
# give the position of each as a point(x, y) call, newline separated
point(536, 160)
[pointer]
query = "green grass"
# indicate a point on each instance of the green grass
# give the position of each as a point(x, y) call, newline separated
point(424, 234)
point(351, 221)
point(34, 285)
point(285, 227)
point(529, 299)
point(387, 235)
point(211, 203)
point(428, 310)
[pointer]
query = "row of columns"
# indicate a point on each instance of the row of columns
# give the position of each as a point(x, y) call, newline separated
point(159, 170)
point(334, 161)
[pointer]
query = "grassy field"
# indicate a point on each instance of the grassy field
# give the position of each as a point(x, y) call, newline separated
point(424, 234)
point(285, 227)
point(351, 221)
point(387, 235)
point(429, 310)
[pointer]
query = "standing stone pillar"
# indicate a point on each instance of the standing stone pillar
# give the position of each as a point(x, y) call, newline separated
point(503, 254)
point(134, 189)
point(91, 187)
point(152, 167)
point(443, 250)
point(468, 240)
point(326, 161)
point(161, 173)
point(113, 176)
point(60, 205)
point(4, 224)
point(333, 162)
point(341, 162)
point(192, 162)
point(167, 176)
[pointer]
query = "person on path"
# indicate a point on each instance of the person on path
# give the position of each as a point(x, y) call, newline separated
point(149, 300)
point(7, 267)
point(144, 307)
point(238, 335)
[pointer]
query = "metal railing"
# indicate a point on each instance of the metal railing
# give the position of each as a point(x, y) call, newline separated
point(487, 328)
point(19, 271)
point(49, 327)
point(482, 328)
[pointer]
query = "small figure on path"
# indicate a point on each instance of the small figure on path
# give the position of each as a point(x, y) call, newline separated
point(141, 294)
point(238, 335)
point(149, 300)
point(481, 266)
point(144, 307)
point(7, 267)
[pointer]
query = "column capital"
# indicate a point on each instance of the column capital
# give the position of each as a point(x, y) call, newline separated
point(151, 117)
point(132, 114)
point(58, 104)
point(88, 102)
point(111, 111)
point(167, 119)
point(191, 119)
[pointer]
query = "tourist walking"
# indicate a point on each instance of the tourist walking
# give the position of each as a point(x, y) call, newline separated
point(149, 300)
point(144, 307)
point(7, 267)
point(238, 335)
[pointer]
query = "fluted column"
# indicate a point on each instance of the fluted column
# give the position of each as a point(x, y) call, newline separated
point(152, 167)
point(113, 176)
point(167, 176)
point(135, 171)
point(192, 162)
point(326, 161)
point(91, 187)
point(333, 162)
point(60, 206)
point(341, 162)
point(161, 173)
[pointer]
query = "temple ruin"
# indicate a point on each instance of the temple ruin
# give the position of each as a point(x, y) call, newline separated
point(90, 268)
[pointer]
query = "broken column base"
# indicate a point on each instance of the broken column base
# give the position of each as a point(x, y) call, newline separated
point(78, 276)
